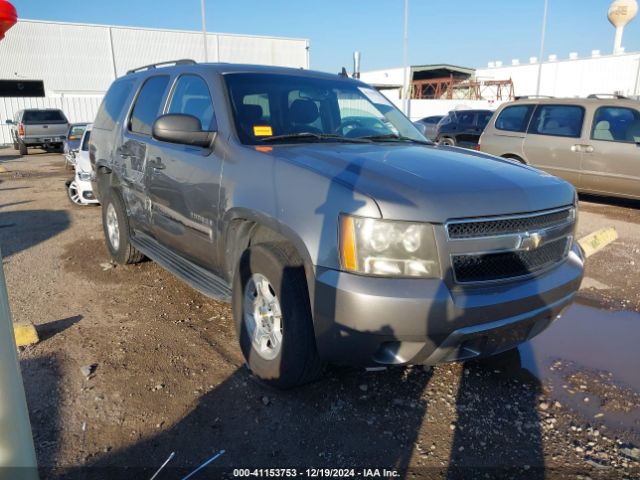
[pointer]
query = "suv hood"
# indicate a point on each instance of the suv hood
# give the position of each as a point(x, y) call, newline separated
point(430, 183)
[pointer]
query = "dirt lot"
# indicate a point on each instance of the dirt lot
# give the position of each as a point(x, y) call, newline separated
point(169, 376)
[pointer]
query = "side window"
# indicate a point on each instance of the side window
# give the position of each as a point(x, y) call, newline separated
point(191, 96)
point(465, 118)
point(148, 104)
point(616, 124)
point(514, 118)
point(113, 104)
point(557, 120)
point(483, 119)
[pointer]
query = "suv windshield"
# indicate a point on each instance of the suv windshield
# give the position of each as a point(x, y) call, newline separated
point(292, 109)
point(43, 116)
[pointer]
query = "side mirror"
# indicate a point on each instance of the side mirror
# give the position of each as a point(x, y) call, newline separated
point(182, 129)
point(422, 128)
point(9, 122)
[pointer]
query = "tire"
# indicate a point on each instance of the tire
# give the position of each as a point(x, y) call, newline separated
point(294, 360)
point(115, 224)
point(516, 158)
point(73, 194)
point(23, 149)
point(447, 141)
point(15, 145)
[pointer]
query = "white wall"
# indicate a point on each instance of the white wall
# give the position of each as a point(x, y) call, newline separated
point(572, 78)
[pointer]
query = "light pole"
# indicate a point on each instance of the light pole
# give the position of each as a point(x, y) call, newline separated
point(405, 60)
point(204, 30)
point(544, 31)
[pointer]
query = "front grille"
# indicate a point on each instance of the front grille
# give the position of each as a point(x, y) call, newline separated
point(498, 266)
point(502, 226)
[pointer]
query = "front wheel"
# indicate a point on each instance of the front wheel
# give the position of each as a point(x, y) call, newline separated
point(447, 141)
point(23, 148)
point(272, 314)
point(73, 193)
point(115, 224)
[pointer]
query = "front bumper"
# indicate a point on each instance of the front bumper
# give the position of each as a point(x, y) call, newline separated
point(366, 321)
point(86, 191)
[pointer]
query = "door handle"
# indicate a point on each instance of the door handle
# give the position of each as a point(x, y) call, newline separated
point(579, 148)
point(122, 153)
point(157, 164)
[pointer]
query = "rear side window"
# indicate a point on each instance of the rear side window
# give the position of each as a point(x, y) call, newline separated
point(616, 124)
point(465, 118)
point(148, 104)
point(557, 120)
point(43, 116)
point(514, 118)
point(483, 119)
point(113, 104)
point(191, 96)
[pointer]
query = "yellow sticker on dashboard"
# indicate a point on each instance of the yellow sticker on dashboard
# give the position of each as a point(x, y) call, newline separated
point(262, 131)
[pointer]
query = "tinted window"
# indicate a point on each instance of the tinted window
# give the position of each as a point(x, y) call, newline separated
point(43, 116)
point(147, 106)
point(191, 96)
point(557, 120)
point(85, 141)
point(514, 118)
point(616, 124)
point(465, 118)
point(113, 104)
point(483, 119)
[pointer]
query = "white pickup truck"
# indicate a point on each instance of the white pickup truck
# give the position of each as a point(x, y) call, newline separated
point(45, 128)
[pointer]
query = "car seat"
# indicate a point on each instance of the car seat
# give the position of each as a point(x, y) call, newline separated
point(602, 131)
point(302, 113)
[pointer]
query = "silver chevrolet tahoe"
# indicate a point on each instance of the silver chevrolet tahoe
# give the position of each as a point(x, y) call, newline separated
point(338, 233)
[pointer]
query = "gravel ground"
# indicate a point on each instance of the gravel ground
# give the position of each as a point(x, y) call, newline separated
point(133, 365)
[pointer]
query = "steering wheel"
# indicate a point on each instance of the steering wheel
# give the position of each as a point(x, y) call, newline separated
point(347, 126)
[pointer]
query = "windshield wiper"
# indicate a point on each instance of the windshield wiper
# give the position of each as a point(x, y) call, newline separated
point(393, 137)
point(314, 137)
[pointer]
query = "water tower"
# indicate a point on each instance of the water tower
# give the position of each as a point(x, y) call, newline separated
point(621, 12)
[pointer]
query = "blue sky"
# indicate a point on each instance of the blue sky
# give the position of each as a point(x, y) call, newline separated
point(467, 32)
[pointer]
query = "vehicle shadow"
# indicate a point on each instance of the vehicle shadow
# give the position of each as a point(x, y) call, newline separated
point(23, 229)
point(40, 378)
point(613, 201)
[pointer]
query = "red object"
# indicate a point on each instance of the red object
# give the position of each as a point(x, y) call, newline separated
point(8, 17)
point(21, 130)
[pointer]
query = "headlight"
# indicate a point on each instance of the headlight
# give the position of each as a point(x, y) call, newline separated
point(388, 248)
point(84, 176)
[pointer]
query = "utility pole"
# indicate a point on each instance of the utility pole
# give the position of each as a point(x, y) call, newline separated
point(204, 30)
point(544, 31)
point(406, 90)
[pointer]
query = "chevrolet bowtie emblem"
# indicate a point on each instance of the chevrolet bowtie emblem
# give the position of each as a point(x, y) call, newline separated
point(529, 241)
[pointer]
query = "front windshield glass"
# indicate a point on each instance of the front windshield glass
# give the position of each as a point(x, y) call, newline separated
point(296, 109)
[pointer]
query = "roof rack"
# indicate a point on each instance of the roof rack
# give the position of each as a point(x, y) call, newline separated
point(184, 61)
point(529, 97)
point(601, 96)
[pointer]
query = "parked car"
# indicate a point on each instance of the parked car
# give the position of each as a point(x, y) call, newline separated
point(334, 242)
point(72, 143)
point(79, 188)
point(462, 128)
point(591, 142)
point(38, 128)
point(429, 125)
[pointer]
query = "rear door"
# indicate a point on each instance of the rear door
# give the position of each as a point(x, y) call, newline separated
point(184, 186)
point(138, 147)
point(611, 156)
point(467, 135)
point(554, 138)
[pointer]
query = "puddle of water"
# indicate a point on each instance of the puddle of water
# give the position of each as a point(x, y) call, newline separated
point(593, 348)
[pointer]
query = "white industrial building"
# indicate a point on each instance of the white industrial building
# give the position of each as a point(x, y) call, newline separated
point(78, 62)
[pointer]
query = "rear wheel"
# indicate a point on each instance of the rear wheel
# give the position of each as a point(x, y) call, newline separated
point(115, 224)
point(447, 141)
point(23, 148)
point(272, 314)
